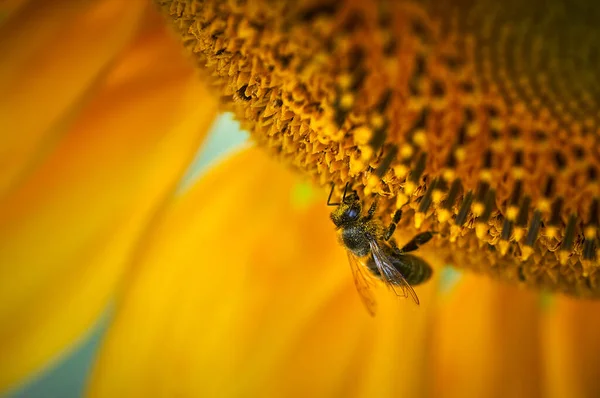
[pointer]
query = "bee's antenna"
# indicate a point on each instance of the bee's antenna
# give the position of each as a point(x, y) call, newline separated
point(345, 191)
point(331, 193)
point(329, 203)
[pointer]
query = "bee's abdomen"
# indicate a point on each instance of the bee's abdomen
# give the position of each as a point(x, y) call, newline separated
point(414, 269)
point(417, 274)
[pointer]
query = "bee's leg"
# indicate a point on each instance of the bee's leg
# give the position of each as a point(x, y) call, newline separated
point(394, 245)
point(371, 211)
point(395, 219)
point(417, 241)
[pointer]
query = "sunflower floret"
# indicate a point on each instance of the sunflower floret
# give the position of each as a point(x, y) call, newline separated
point(480, 120)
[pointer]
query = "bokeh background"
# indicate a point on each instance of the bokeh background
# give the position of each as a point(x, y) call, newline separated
point(66, 377)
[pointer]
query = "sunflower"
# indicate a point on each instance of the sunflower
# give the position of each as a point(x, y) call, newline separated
point(479, 121)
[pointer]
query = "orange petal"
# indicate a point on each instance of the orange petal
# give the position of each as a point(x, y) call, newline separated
point(571, 342)
point(242, 292)
point(54, 52)
point(68, 231)
point(486, 341)
point(9, 7)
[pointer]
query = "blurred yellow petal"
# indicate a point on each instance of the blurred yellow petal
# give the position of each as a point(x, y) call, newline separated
point(572, 345)
point(241, 292)
point(69, 229)
point(9, 7)
point(485, 341)
point(54, 53)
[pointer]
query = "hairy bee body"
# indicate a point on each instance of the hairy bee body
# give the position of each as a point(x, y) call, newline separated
point(370, 245)
point(354, 236)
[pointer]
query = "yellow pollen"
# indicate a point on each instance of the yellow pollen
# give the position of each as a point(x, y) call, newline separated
point(406, 151)
point(401, 171)
point(362, 135)
point(563, 256)
point(485, 175)
point(518, 233)
point(455, 232)
point(586, 265)
point(401, 200)
point(373, 181)
point(552, 232)
point(478, 209)
point(355, 166)
point(420, 139)
point(526, 252)
point(543, 206)
point(481, 230)
point(511, 213)
point(419, 218)
point(316, 86)
point(437, 196)
point(460, 154)
point(503, 244)
point(377, 121)
point(346, 101)
point(518, 173)
point(473, 130)
point(448, 174)
point(590, 232)
point(443, 215)
point(345, 81)
point(409, 188)
point(497, 146)
point(366, 153)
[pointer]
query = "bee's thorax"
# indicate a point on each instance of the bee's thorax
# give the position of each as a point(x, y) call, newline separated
point(354, 238)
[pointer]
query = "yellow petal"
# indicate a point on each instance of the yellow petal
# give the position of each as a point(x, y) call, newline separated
point(486, 341)
point(572, 348)
point(241, 292)
point(69, 229)
point(9, 7)
point(54, 53)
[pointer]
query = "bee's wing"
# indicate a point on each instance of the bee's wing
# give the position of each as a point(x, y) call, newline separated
point(362, 283)
point(390, 274)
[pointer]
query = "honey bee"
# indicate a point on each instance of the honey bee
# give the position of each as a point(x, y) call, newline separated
point(370, 245)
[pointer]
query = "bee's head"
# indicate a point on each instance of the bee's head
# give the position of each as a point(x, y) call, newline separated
point(348, 211)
